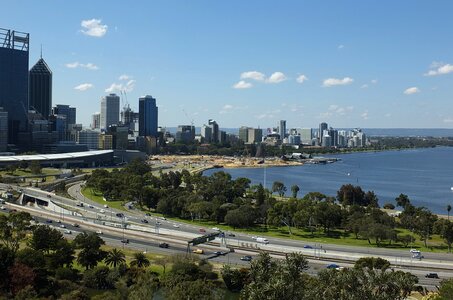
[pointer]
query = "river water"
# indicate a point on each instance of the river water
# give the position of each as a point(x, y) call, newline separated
point(425, 175)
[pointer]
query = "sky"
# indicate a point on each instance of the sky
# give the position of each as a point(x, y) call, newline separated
point(369, 64)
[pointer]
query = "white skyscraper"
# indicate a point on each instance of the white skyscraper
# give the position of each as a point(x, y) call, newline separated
point(110, 110)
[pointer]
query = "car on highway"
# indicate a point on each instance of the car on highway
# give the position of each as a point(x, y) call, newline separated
point(90, 206)
point(148, 214)
point(333, 266)
point(163, 218)
point(125, 241)
point(102, 211)
point(75, 225)
point(217, 253)
point(2, 207)
point(176, 225)
point(48, 221)
point(106, 206)
point(99, 231)
point(432, 275)
point(246, 258)
point(119, 215)
point(198, 251)
point(67, 231)
point(202, 230)
point(163, 245)
point(231, 234)
point(49, 196)
point(63, 226)
point(215, 228)
point(58, 221)
point(308, 247)
point(144, 221)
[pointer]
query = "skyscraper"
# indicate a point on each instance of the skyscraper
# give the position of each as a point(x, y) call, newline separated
point(147, 120)
point(96, 121)
point(66, 110)
point(215, 130)
point(14, 48)
point(110, 111)
point(3, 130)
point(40, 88)
point(322, 127)
point(282, 129)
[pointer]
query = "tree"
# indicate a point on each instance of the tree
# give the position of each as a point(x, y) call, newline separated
point(115, 257)
point(448, 211)
point(21, 276)
point(372, 263)
point(402, 200)
point(389, 206)
point(241, 217)
point(295, 189)
point(140, 260)
point(278, 187)
point(445, 229)
point(446, 289)
point(13, 229)
point(90, 245)
point(234, 279)
point(35, 167)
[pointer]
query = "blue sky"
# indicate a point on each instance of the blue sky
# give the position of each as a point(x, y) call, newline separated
point(350, 63)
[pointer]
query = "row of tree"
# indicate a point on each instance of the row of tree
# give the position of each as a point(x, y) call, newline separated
point(236, 203)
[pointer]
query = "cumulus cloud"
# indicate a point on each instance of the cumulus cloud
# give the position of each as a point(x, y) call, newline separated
point(120, 87)
point(83, 87)
point(255, 75)
point(93, 27)
point(329, 82)
point(228, 108)
point(439, 69)
point(76, 64)
point(412, 90)
point(301, 78)
point(242, 85)
point(364, 115)
point(124, 77)
point(276, 77)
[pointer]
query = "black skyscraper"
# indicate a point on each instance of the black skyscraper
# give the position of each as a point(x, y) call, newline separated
point(41, 88)
point(14, 80)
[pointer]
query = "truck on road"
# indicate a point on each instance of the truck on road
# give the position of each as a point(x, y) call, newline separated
point(262, 240)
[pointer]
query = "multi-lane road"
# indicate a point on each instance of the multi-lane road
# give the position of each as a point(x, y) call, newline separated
point(146, 232)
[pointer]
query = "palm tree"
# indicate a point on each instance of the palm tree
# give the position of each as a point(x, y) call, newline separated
point(448, 210)
point(140, 260)
point(115, 257)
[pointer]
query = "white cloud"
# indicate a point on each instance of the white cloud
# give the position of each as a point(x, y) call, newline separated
point(76, 64)
point(412, 90)
point(374, 81)
point(227, 106)
point(335, 81)
point(340, 47)
point(364, 86)
point(301, 78)
point(439, 69)
point(276, 77)
point(255, 75)
point(120, 87)
point(83, 87)
point(124, 77)
point(364, 115)
point(93, 27)
point(242, 85)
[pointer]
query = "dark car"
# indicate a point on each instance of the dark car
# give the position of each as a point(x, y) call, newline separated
point(231, 234)
point(125, 241)
point(432, 275)
point(308, 247)
point(218, 253)
point(332, 266)
point(144, 221)
point(163, 245)
point(246, 258)
point(48, 221)
point(119, 215)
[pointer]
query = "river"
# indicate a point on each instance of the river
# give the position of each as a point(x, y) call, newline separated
point(425, 175)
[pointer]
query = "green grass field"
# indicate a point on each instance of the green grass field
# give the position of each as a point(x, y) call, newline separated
point(96, 197)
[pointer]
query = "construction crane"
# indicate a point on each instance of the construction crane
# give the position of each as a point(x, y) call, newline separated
point(188, 118)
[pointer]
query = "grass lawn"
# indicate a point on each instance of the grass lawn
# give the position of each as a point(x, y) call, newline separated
point(97, 197)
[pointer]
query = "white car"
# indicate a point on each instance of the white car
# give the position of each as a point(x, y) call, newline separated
point(90, 206)
point(215, 228)
point(99, 231)
point(2, 207)
point(102, 211)
point(106, 206)
point(62, 226)
point(176, 225)
point(68, 231)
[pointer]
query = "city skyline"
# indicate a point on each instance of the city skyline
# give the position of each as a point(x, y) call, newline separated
point(253, 64)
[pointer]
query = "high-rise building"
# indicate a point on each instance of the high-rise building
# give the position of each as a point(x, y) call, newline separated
point(206, 133)
point(244, 134)
point(148, 114)
point(185, 134)
point(129, 118)
point(65, 110)
point(255, 135)
point(322, 126)
point(282, 129)
point(14, 47)
point(306, 135)
point(3, 130)
point(89, 138)
point(215, 131)
point(110, 111)
point(40, 88)
point(96, 121)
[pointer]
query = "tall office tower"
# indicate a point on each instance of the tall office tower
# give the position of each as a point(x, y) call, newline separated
point(333, 137)
point(65, 110)
point(244, 134)
point(3, 130)
point(14, 48)
point(185, 134)
point(322, 127)
point(89, 138)
point(129, 118)
point(147, 119)
point(215, 131)
point(282, 129)
point(306, 135)
point(206, 133)
point(255, 135)
point(40, 88)
point(110, 111)
point(96, 121)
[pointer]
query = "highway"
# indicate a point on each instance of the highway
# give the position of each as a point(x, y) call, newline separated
point(147, 236)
